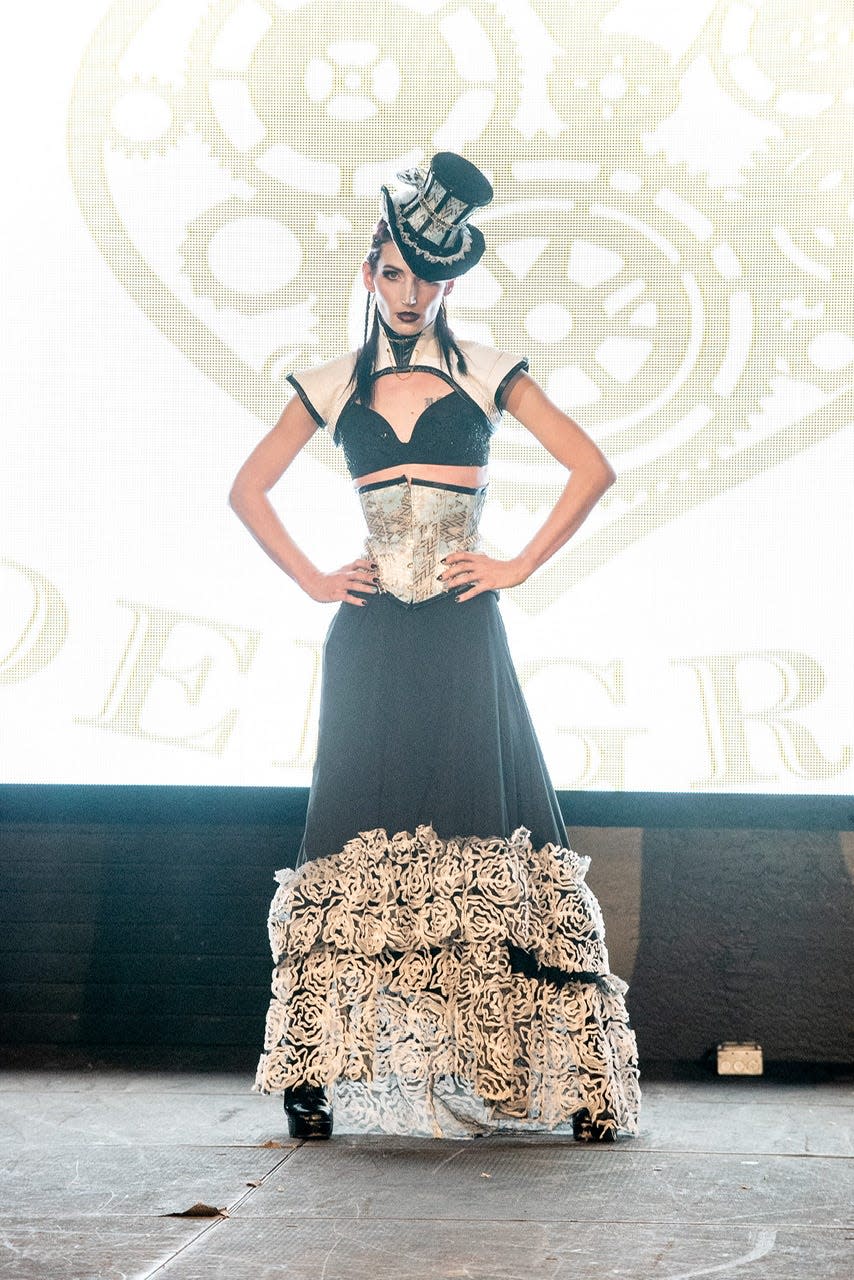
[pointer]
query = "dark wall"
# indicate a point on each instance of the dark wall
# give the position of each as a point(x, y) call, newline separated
point(114, 933)
point(144, 925)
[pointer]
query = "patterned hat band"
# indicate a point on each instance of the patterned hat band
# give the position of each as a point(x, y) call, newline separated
point(432, 212)
point(417, 247)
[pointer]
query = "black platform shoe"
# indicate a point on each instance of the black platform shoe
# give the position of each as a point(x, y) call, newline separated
point(585, 1129)
point(308, 1111)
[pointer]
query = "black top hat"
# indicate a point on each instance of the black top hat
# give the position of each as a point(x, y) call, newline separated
point(428, 219)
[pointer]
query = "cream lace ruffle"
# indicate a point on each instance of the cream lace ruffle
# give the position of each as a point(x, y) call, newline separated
point(393, 978)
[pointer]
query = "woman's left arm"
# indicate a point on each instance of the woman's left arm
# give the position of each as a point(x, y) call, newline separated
point(590, 475)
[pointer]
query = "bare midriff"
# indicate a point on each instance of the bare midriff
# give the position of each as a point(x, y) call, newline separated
point(466, 477)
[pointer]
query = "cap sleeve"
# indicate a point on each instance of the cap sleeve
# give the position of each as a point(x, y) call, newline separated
point(324, 390)
point(298, 382)
point(510, 366)
point(490, 373)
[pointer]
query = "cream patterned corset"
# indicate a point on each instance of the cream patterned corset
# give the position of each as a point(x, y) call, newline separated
point(412, 526)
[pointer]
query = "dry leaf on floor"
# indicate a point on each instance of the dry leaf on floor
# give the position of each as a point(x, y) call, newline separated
point(272, 1145)
point(198, 1211)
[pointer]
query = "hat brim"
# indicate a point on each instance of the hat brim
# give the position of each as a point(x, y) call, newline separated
point(433, 268)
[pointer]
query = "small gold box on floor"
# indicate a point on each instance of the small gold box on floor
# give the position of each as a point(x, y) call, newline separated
point(737, 1059)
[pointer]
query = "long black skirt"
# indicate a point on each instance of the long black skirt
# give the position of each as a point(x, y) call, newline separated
point(440, 964)
point(423, 723)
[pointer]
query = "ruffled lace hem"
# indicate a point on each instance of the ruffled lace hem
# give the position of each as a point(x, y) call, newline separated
point(398, 981)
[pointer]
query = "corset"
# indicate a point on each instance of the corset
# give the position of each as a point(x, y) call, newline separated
point(412, 526)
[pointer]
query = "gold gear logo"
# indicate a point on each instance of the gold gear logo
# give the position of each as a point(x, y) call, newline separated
point(695, 316)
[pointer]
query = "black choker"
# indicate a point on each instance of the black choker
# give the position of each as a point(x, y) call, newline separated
point(402, 346)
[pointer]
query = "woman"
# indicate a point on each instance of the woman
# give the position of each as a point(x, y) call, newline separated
point(439, 959)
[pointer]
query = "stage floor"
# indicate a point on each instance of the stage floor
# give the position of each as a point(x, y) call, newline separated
point(729, 1177)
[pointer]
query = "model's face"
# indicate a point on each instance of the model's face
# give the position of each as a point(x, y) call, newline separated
point(406, 303)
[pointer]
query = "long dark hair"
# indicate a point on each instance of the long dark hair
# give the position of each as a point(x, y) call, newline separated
point(362, 376)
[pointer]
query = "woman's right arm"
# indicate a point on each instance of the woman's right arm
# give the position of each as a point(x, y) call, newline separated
point(248, 498)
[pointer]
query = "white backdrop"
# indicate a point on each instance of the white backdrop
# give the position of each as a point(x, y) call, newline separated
point(190, 187)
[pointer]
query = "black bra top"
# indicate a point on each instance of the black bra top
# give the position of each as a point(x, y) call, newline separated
point(451, 432)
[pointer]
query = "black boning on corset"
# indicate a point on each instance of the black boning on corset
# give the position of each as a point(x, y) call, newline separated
point(423, 484)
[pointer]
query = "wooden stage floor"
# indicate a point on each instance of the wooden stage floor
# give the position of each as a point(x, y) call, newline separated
point(749, 1179)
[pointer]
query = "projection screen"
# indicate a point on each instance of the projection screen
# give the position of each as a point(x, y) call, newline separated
point(192, 187)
